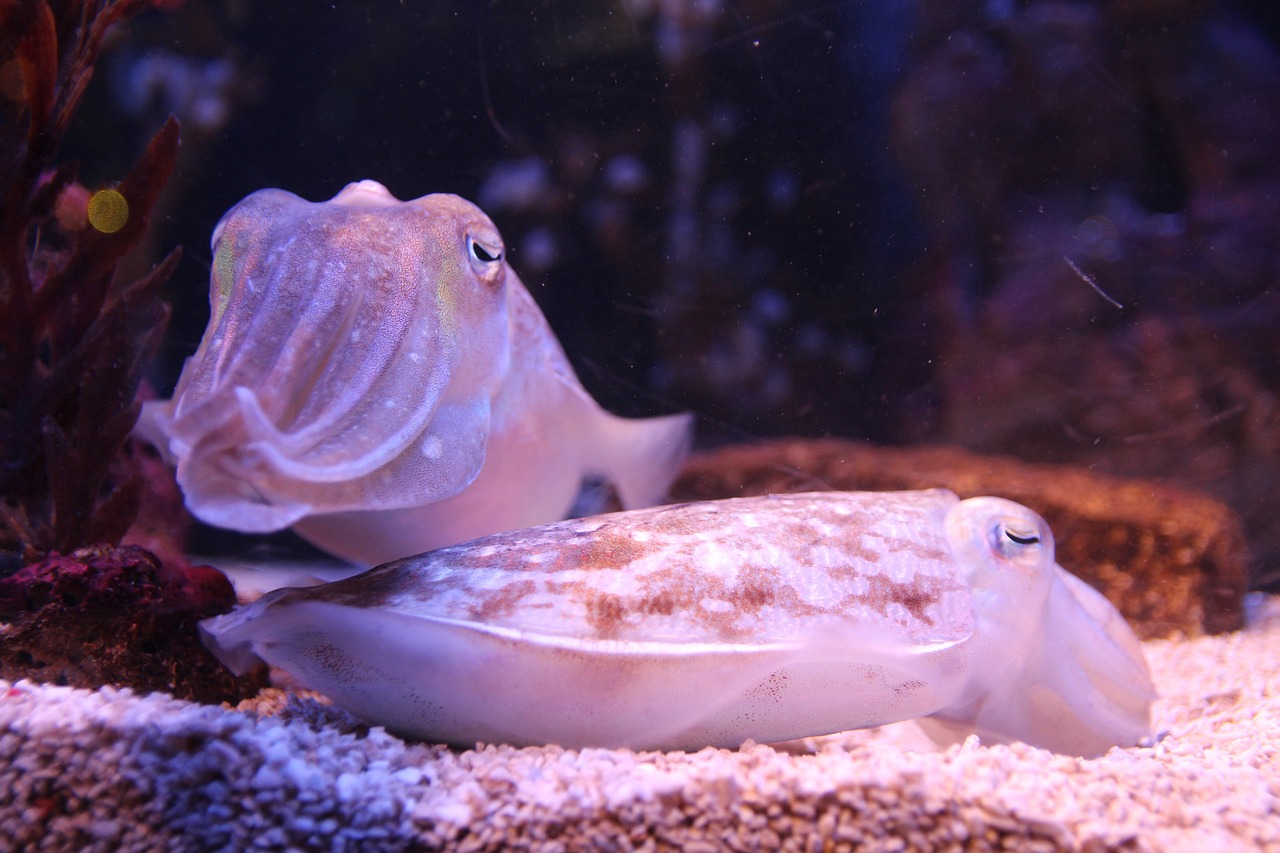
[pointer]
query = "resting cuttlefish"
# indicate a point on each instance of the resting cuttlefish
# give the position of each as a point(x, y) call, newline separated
point(375, 375)
point(709, 623)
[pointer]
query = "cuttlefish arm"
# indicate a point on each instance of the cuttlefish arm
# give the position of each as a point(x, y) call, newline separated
point(710, 623)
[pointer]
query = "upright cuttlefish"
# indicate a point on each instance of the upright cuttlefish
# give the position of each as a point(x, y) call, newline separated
point(376, 376)
point(708, 623)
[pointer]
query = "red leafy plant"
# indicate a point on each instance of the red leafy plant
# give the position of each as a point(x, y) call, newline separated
point(75, 338)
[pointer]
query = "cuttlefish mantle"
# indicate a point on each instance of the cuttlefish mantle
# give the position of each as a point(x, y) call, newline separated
point(376, 376)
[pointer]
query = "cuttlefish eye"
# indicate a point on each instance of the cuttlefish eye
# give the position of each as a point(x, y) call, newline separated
point(486, 254)
point(1016, 541)
point(997, 533)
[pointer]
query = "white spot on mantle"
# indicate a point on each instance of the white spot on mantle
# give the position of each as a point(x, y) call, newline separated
point(432, 447)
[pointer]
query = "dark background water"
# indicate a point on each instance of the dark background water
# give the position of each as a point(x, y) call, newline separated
point(1046, 229)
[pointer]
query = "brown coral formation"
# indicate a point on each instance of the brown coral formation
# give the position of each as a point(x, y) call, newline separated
point(1171, 560)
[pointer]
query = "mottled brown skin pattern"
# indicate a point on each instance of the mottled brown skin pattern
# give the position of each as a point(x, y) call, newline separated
point(1170, 560)
point(737, 571)
point(679, 591)
point(917, 595)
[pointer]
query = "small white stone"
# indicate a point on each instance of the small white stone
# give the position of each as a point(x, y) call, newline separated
point(267, 778)
point(408, 775)
point(348, 786)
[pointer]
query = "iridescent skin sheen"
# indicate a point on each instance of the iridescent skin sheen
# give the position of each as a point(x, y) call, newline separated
point(376, 376)
point(709, 623)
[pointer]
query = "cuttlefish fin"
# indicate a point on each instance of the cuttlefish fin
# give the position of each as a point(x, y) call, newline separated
point(641, 457)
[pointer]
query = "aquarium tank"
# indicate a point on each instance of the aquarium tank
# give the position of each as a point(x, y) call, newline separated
point(1026, 249)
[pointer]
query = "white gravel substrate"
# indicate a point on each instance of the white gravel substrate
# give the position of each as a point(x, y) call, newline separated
point(109, 770)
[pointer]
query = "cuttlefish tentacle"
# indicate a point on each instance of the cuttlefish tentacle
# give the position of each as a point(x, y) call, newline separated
point(709, 623)
point(375, 375)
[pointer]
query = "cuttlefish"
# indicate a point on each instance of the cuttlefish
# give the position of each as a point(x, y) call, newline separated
point(708, 623)
point(375, 376)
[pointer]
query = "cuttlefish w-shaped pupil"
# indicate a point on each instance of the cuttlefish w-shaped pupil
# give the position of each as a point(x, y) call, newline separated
point(484, 254)
point(1027, 539)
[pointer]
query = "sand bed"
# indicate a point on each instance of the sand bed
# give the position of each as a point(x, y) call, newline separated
point(110, 770)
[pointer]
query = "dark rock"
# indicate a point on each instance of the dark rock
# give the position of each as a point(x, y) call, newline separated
point(117, 616)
